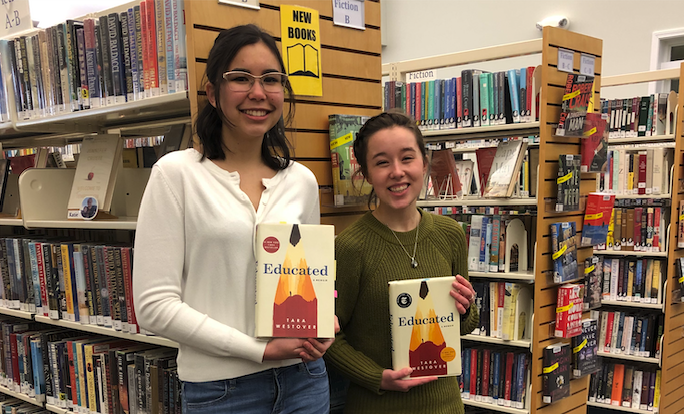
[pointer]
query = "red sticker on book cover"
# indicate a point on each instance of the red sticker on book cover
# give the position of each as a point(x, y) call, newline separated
point(271, 244)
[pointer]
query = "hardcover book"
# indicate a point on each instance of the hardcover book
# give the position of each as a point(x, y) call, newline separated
point(593, 281)
point(349, 188)
point(556, 373)
point(425, 327)
point(594, 143)
point(585, 349)
point(96, 171)
point(568, 182)
point(505, 169)
point(295, 281)
point(564, 251)
point(578, 93)
point(444, 175)
point(569, 311)
point(597, 216)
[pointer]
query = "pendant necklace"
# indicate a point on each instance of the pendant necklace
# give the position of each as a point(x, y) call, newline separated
point(414, 263)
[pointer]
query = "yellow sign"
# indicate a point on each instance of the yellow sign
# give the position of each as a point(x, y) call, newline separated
point(300, 38)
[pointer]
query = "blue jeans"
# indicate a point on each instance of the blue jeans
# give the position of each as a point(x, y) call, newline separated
point(301, 388)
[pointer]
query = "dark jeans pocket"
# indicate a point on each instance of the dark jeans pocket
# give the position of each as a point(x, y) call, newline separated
point(203, 394)
point(315, 369)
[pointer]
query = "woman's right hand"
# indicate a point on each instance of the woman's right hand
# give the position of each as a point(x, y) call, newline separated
point(392, 380)
point(284, 348)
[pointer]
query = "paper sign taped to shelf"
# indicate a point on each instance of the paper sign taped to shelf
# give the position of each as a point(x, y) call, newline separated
point(17, 17)
point(349, 13)
point(250, 4)
point(301, 43)
point(565, 60)
point(421, 76)
point(587, 64)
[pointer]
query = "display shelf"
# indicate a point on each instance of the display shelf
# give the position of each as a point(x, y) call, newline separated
point(629, 253)
point(101, 330)
point(648, 360)
point(488, 339)
point(16, 313)
point(669, 138)
point(474, 147)
point(11, 222)
point(21, 396)
point(495, 407)
point(619, 408)
point(493, 131)
point(632, 304)
point(525, 276)
point(642, 196)
point(471, 201)
point(121, 223)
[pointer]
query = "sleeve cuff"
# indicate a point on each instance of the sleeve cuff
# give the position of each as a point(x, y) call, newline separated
point(248, 348)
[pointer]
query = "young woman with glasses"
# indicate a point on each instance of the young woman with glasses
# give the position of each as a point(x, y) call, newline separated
point(194, 260)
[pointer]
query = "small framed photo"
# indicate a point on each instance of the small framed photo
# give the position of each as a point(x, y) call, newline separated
point(89, 207)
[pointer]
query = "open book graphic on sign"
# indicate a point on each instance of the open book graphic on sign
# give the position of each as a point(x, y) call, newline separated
point(302, 60)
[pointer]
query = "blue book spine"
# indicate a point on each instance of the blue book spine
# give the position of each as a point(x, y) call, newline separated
point(37, 362)
point(466, 372)
point(644, 334)
point(520, 380)
point(168, 32)
point(484, 261)
point(621, 324)
point(636, 290)
point(514, 91)
point(523, 96)
point(133, 52)
point(495, 375)
point(34, 274)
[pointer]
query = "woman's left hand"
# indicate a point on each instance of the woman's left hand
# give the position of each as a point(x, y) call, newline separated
point(315, 348)
point(464, 294)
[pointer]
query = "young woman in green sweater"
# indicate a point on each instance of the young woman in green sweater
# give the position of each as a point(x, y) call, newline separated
point(395, 241)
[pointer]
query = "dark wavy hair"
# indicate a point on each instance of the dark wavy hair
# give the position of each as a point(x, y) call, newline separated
point(275, 148)
point(374, 125)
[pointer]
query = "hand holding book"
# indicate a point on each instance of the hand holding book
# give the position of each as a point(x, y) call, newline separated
point(463, 293)
point(393, 380)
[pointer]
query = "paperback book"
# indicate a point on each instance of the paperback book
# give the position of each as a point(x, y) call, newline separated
point(585, 350)
point(295, 281)
point(564, 248)
point(593, 282)
point(597, 216)
point(556, 373)
point(349, 188)
point(425, 327)
point(594, 143)
point(444, 175)
point(569, 311)
point(503, 175)
point(576, 97)
point(568, 182)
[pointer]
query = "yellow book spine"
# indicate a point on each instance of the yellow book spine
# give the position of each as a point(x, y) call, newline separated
point(81, 376)
point(68, 292)
point(656, 395)
point(90, 377)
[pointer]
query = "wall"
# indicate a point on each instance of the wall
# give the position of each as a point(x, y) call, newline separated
point(419, 28)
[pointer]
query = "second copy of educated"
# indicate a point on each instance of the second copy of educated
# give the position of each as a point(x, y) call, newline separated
point(425, 327)
point(295, 281)
point(96, 171)
point(349, 188)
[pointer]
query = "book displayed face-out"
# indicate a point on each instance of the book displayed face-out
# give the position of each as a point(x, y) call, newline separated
point(295, 281)
point(425, 327)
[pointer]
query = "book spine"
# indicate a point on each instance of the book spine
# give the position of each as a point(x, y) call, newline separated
point(116, 58)
point(127, 61)
point(84, 94)
point(108, 93)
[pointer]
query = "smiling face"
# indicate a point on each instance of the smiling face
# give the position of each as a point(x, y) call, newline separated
point(253, 113)
point(395, 169)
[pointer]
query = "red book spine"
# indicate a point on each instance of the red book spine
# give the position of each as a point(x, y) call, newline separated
point(128, 288)
point(72, 372)
point(609, 332)
point(152, 46)
point(15, 359)
point(485, 372)
point(41, 276)
point(656, 229)
point(509, 376)
point(528, 80)
point(562, 308)
point(459, 99)
point(473, 373)
point(642, 172)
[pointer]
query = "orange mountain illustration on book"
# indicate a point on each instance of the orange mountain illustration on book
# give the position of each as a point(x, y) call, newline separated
point(295, 308)
point(427, 341)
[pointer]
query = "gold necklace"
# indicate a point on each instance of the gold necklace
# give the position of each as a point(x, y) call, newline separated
point(414, 263)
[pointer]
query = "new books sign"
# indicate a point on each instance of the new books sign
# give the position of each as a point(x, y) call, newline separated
point(300, 38)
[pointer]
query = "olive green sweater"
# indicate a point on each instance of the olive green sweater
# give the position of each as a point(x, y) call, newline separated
point(368, 256)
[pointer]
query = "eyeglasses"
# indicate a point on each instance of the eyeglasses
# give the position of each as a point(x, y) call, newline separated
point(239, 81)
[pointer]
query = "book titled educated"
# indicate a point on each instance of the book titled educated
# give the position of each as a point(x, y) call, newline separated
point(295, 281)
point(425, 327)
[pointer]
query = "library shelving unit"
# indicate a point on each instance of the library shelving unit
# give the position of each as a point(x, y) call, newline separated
point(351, 77)
point(671, 360)
point(551, 83)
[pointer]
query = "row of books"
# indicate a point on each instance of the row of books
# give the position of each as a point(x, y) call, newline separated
point(496, 244)
point(468, 210)
point(634, 171)
point(495, 376)
point(640, 116)
point(631, 280)
point(505, 309)
point(476, 98)
point(624, 385)
point(623, 333)
point(77, 282)
point(113, 59)
point(88, 373)
point(640, 229)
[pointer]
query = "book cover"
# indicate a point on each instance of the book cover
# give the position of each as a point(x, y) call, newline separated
point(444, 175)
point(564, 251)
point(594, 142)
point(96, 172)
point(585, 349)
point(568, 182)
point(593, 281)
point(349, 188)
point(556, 373)
point(295, 281)
point(425, 327)
point(485, 158)
point(576, 97)
point(597, 216)
point(505, 168)
point(569, 311)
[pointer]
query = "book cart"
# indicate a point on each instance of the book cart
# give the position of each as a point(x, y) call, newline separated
point(351, 77)
point(550, 82)
point(671, 356)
